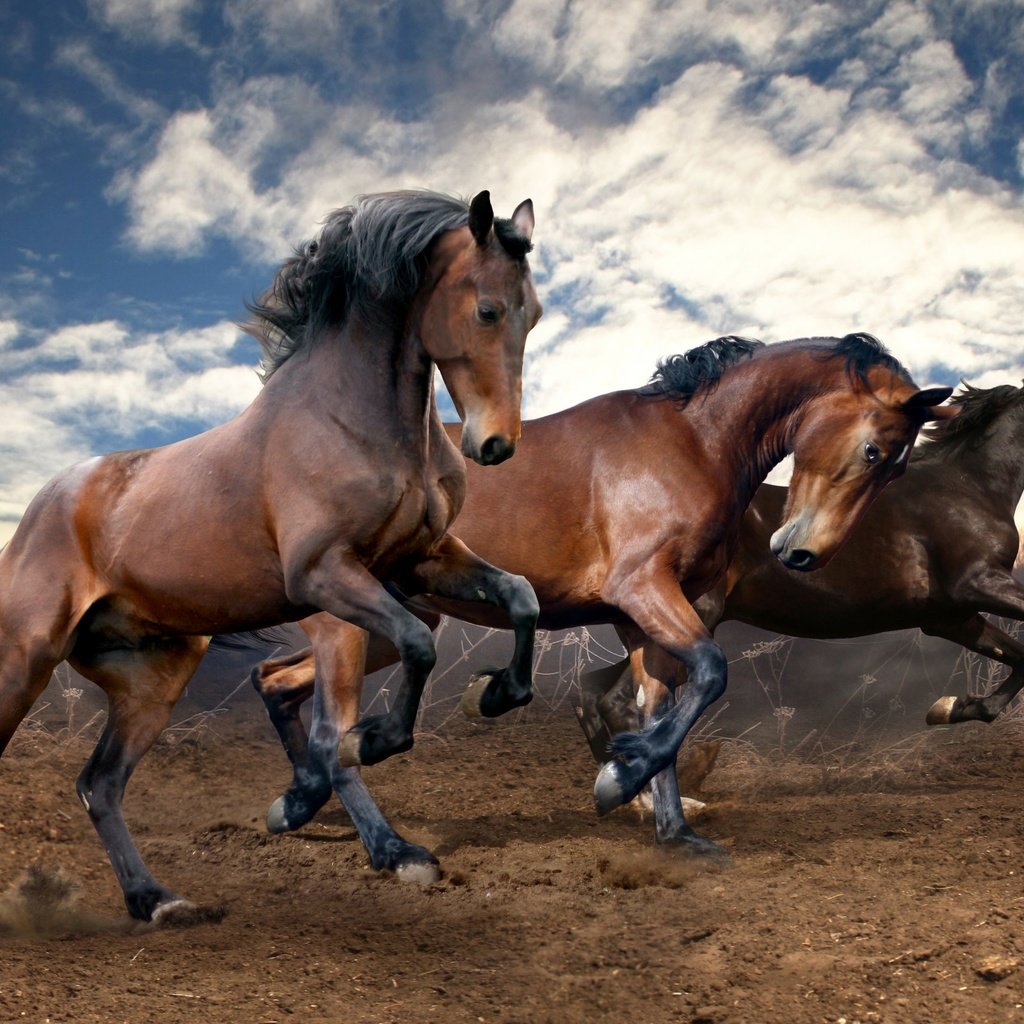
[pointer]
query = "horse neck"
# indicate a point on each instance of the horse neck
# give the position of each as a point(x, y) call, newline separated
point(997, 465)
point(750, 420)
point(375, 380)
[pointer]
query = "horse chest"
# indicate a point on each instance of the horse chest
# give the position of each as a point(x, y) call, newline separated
point(421, 516)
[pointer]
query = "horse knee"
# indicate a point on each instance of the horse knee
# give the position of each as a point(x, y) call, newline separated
point(522, 599)
point(416, 647)
point(708, 671)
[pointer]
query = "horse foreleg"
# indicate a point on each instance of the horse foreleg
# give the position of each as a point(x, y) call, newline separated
point(346, 590)
point(453, 571)
point(980, 636)
point(340, 650)
point(142, 687)
point(654, 602)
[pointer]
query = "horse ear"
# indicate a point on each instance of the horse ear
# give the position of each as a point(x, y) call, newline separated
point(522, 219)
point(927, 405)
point(481, 217)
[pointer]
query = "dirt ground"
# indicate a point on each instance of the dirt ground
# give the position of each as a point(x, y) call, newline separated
point(863, 888)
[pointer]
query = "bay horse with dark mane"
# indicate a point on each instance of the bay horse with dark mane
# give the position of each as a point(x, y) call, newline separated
point(336, 477)
point(627, 509)
point(936, 554)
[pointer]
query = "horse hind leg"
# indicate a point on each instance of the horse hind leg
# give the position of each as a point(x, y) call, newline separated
point(284, 684)
point(24, 673)
point(142, 686)
point(980, 636)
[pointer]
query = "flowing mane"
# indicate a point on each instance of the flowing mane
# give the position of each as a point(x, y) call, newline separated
point(699, 370)
point(366, 262)
point(979, 408)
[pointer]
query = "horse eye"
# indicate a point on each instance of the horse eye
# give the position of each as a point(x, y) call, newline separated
point(871, 453)
point(487, 314)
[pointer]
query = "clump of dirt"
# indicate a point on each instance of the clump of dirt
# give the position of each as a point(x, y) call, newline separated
point(43, 903)
point(639, 868)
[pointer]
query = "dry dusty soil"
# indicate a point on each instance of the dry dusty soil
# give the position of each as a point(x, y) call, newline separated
point(863, 888)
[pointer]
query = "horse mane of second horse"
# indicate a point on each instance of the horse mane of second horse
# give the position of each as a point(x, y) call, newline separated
point(336, 476)
point(626, 509)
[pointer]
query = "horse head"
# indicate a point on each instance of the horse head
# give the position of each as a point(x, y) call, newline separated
point(479, 305)
point(849, 444)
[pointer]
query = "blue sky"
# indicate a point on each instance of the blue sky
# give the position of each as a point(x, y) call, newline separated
point(766, 167)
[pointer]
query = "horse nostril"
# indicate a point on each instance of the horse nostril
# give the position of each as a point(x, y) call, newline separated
point(496, 449)
point(801, 558)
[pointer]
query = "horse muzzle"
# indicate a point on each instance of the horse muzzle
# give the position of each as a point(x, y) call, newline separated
point(786, 547)
point(491, 451)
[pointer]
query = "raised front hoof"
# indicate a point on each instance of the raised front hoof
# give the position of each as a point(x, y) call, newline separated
point(945, 711)
point(614, 787)
point(486, 696)
point(179, 913)
point(370, 742)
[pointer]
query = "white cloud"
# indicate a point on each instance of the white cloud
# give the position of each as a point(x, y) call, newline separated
point(79, 56)
point(162, 21)
point(741, 195)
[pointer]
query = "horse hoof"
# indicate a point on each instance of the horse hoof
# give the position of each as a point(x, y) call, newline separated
point(474, 695)
point(609, 789)
point(184, 914)
point(691, 808)
point(422, 873)
point(277, 818)
point(942, 711)
point(348, 750)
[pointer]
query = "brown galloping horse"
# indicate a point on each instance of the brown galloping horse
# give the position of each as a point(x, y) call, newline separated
point(935, 553)
point(627, 509)
point(337, 476)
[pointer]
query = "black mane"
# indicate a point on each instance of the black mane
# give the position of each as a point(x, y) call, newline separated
point(979, 409)
point(367, 262)
point(700, 369)
point(862, 351)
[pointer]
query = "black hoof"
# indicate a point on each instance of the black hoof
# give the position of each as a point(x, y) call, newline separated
point(488, 696)
point(292, 810)
point(690, 844)
point(371, 741)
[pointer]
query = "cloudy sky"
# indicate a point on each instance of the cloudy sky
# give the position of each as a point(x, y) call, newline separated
point(776, 168)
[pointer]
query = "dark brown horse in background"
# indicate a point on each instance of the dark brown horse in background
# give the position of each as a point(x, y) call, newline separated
point(337, 476)
point(935, 553)
point(627, 509)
